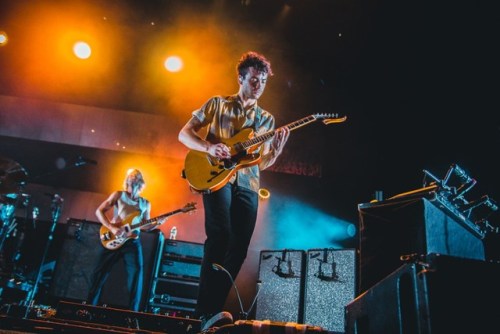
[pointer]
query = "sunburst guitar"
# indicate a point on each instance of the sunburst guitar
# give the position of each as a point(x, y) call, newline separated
point(206, 173)
point(132, 223)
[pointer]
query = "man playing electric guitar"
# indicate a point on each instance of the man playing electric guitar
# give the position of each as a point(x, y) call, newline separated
point(126, 204)
point(231, 205)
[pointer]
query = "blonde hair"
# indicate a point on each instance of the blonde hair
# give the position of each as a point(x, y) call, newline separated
point(134, 176)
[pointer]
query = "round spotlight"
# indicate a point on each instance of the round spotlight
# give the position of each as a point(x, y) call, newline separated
point(3, 38)
point(264, 193)
point(173, 64)
point(82, 50)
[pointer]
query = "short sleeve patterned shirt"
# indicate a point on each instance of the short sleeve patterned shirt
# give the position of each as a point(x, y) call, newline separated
point(224, 117)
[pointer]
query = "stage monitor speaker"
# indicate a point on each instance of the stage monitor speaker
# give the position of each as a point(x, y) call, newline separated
point(329, 286)
point(281, 295)
point(395, 228)
point(436, 294)
point(78, 257)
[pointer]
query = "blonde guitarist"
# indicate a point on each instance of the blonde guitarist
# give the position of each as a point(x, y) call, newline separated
point(124, 205)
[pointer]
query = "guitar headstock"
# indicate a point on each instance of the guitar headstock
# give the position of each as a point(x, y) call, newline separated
point(189, 207)
point(330, 118)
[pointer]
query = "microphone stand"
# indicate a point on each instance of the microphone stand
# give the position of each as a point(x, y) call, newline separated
point(56, 211)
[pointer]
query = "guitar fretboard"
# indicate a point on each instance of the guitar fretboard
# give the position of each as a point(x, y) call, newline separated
point(292, 126)
point(155, 219)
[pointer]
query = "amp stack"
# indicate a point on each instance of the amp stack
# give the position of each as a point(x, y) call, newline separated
point(175, 285)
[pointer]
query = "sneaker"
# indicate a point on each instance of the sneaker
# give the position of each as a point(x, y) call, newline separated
point(217, 320)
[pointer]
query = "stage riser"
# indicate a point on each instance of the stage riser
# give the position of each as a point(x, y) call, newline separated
point(415, 226)
point(447, 295)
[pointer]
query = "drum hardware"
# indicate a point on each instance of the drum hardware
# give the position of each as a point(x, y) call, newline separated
point(12, 176)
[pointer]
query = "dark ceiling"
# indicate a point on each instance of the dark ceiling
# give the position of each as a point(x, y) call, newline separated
point(416, 79)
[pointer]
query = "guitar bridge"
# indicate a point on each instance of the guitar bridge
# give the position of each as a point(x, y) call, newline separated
point(212, 160)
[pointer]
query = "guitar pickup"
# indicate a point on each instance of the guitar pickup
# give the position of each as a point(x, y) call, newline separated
point(106, 236)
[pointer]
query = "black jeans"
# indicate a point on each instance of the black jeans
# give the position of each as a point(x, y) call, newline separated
point(230, 217)
point(131, 252)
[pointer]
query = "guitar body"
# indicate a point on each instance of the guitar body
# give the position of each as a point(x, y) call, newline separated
point(207, 174)
point(111, 241)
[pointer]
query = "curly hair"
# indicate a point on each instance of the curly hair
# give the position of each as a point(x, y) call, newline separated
point(255, 60)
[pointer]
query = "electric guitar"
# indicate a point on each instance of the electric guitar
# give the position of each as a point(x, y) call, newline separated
point(206, 173)
point(132, 223)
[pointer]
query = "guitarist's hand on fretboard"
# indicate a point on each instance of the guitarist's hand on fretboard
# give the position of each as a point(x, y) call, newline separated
point(279, 140)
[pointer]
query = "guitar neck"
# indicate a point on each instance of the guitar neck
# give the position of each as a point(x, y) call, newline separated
point(155, 219)
point(268, 135)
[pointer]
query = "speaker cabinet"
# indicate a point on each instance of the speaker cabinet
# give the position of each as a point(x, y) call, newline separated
point(438, 294)
point(420, 226)
point(78, 256)
point(329, 286)
point(281, 294)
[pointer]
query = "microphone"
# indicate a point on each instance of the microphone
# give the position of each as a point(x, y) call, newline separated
point(243, 314)
point(84, 161)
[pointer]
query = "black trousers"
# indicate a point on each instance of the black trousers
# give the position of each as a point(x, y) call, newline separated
point(131, 253)
point(230, 217)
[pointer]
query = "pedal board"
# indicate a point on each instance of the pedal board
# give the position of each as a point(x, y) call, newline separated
point(126, 319)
